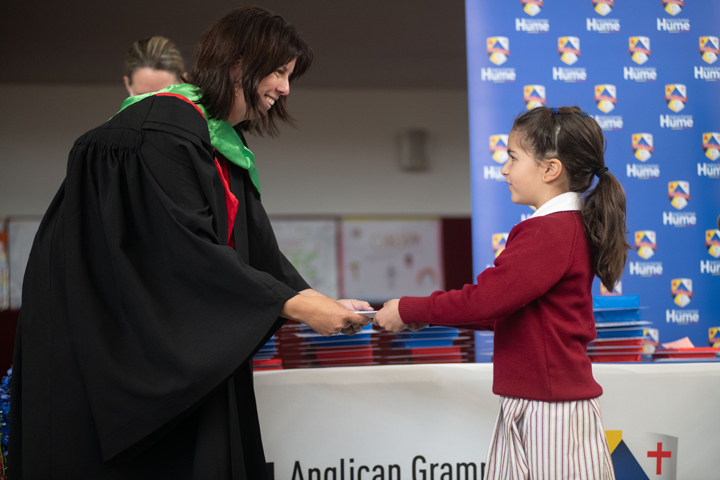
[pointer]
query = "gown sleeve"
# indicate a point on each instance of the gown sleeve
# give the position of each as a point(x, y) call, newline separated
point(160, 310)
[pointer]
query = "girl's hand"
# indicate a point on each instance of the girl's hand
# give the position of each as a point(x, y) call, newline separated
point(417, 326)
point(389, 317)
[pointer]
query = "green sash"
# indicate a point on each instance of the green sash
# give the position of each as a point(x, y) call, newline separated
point(222, 135)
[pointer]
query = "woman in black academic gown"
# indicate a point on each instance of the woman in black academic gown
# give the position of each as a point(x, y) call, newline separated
point(155, 277)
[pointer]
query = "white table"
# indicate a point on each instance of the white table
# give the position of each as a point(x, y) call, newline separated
point(433, 422)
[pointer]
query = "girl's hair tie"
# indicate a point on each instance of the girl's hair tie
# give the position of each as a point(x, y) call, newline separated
point(601, 171)
point(584, 114)
point(554, 110)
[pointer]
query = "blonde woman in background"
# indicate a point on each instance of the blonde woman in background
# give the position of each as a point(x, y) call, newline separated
point(152, 64)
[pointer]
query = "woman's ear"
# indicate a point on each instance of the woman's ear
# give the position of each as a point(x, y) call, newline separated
point(237, 70)
point(126, 80)
point(553, 168)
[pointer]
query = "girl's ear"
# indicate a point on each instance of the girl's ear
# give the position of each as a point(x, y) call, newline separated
point(553, 168)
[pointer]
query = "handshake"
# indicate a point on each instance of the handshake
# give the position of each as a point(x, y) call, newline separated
point(328, 317)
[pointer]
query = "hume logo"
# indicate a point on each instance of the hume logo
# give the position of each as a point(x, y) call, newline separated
point(603, 7)
point(534, 96)
point(569, 49)
point(679, 194)
point(606, 97)
point(642, 146)
point(498, 49)
point(498, 243)
point(645, 243)
point(639, 49)
point(709, 49)
point(676, 96)
point(681, 290)
point(498, 148)
point(532, 7)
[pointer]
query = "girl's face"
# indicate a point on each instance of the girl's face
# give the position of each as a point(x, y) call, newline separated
point(271, 88)
point(524, 174)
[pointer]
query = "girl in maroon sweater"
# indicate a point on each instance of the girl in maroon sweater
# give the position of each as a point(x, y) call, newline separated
point(549, 425)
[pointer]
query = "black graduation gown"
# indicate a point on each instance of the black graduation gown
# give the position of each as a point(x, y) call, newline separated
point(133, 355)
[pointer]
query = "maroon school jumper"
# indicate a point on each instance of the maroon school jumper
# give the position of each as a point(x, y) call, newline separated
point(538, 301)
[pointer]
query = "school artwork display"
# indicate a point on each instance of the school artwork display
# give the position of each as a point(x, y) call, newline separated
point(385, 258)
point(648, 73)
point(21, 232)
point(311, 246)
point(4, 267)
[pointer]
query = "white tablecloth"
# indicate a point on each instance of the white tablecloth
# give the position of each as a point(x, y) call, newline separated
point(433, 422)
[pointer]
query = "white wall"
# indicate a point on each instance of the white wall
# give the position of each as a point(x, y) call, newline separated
point(342, 158)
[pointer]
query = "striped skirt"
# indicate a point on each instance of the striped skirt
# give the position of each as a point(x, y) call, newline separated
point(535, 440)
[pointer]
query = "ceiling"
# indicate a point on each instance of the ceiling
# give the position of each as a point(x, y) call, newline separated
point(357, 44)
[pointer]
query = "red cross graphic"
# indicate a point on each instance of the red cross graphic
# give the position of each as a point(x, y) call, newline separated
point(659, 454)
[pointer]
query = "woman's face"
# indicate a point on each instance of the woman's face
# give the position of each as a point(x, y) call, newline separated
point(271, 88)
point(146, 80)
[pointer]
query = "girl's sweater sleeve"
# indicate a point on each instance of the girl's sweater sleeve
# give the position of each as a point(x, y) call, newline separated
point(536, 256)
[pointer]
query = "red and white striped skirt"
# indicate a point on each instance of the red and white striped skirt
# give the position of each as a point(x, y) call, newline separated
point(535, 440)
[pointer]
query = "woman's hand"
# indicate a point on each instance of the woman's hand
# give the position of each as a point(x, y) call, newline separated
point(389, 317)
point(356, 305)
point(324, 315)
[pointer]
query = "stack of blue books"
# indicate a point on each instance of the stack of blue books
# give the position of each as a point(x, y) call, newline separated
point(337, 350)
point(267, 357)
point(622, 335)
point(484, 346)
point(429, 345)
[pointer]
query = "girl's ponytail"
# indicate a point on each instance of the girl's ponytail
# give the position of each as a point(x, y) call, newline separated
point(603, 215)
point(575, 138)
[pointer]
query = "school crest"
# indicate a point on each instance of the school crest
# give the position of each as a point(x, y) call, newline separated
point(679, 194)
point(534, 96)
point(673, 7)
point(532, 7)
point(645, 243)
point(681, 291)
point(605, 97)
point(603, 7)
point(711, 145)
point(709, 49)
point(498, 243)
point(712, 242)
point(714, 336)
point(498, 148)
point(639, 49)
point(676, 96)
point(617, 289)
point(569, 49)
point(498, 49)
point(642, 146)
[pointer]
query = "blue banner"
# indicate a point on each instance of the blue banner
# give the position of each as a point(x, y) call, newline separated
point(648, 72)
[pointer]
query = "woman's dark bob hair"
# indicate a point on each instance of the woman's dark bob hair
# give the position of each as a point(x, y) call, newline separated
point(262, 42)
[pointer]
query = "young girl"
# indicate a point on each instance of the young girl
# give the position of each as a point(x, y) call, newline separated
point(538, 300)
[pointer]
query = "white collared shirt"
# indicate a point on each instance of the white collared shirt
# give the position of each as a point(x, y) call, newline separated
point(565, 202)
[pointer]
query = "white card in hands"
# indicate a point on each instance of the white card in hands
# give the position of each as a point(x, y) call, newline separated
point(366, 313)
